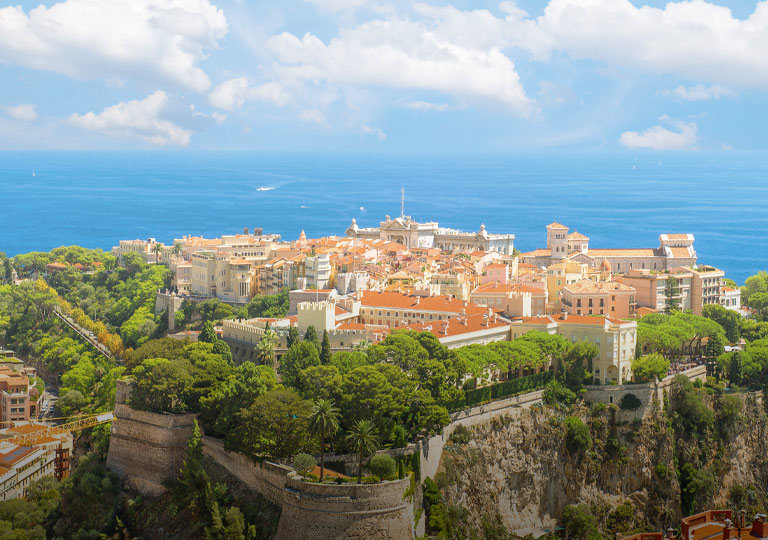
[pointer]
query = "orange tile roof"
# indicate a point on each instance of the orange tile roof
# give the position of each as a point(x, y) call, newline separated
point(494, 287)
point(416, 303)
point(457, 325)
point(27, 428)
point(556, 225)
point(680, 252)
point(577, 236)
point(677, 236)
point(537, 253)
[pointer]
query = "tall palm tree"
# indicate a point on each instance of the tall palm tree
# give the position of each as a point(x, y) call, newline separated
point(157, 248)
point(178, 245)
point(323, 422)
point(364, 440)
point(265, 348)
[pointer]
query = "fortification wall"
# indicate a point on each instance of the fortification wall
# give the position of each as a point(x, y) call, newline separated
point(266, 478)
point(146, 448)
point(325, 512)
point(644, 392)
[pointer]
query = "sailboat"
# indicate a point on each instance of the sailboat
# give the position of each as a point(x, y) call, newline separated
point(33, 172)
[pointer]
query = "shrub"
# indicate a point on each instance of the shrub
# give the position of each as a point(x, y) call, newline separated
point(460, 435)
point(556, 394)
point(400, 469)
point(578, 438)
point(630, 402)
point(303, 463)
point(383, 466)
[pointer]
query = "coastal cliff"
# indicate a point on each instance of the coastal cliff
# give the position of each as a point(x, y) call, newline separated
point(518, 473)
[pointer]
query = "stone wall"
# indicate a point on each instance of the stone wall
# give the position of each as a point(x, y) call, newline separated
point(349, 511)
point(146, 448)
point(266, 478)
point(644, 392)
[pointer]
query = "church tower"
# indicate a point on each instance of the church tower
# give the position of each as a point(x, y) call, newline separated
point(557, 240)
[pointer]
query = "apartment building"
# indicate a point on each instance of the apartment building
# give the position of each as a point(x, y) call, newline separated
point(706, 286)
point(22, 465)
point(455, 285)
point(512, 299)
point(615, 340)
point(18, 402)
point(587, 297)
point(318, 271)
point(653, 289)
point(393, 309)
point(149, 249)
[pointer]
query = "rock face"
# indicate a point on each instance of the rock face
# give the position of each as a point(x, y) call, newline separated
point(518, 471)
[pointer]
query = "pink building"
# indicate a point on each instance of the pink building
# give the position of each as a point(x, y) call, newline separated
point(587, 297)
point(495, 272)
point(17, 400)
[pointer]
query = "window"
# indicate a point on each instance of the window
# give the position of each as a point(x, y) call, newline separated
point(601, 311)
point(590, 303)
point(602, 302)
point(578, 302)
point(590, 311)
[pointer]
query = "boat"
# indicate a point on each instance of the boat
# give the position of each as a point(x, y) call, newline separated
point(33, 172)
point(265, 188)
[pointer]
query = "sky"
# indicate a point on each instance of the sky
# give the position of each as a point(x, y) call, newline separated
point(369, 75)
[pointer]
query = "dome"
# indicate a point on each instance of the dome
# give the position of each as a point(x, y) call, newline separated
point(605, 265)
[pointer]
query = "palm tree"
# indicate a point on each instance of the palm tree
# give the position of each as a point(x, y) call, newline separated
point(157, 249)
point(265, 348)
point(363, 439)
point(178, 245)
point(323, 422)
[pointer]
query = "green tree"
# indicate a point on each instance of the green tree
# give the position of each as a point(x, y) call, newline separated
point(323, 423)
point(162, 385)
point(671, 295)
point(578, 439)
point(208, 334)
point(579, 522)
point(293, 336)
point(304, 463)
point(325, 349)
point(193, 481)
point(363, 440)
point(265, 349)
point(736, 369)
point(311, 336)
point(275, 426)
point(577, 364)
point(649, 368)
point(299, 357)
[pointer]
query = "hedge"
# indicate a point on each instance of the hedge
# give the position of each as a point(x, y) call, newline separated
point(504, 389)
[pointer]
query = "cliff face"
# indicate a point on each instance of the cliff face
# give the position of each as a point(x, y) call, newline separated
point(520, 472)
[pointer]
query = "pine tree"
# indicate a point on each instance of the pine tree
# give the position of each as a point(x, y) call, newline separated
point(311, 334)
point(293, 336)
point(736, 369)
point(208, 334)
point(671, 292)
point(325, 349)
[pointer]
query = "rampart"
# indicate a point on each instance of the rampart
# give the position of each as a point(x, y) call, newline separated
point(349, 511)
point(146, 448)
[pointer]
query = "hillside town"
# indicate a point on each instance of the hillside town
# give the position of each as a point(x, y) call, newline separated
point(463, 287)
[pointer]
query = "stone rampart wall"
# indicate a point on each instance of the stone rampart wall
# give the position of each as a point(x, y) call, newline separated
point(321, 511)
point(266, 478)
point(146, 448)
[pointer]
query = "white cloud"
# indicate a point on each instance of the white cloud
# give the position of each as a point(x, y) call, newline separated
point(367, 130)
point(427, 106)
point(233, 93)
point(400, 53)
point(337, 5)
point(312, 116)
point(660, 138)
point(696, 39)
point(26, 112)
point(157, 40)
point(138, 120)
point(699, 92)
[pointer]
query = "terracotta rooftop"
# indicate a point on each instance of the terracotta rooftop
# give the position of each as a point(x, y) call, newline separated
point(556, 225)
point(396, 300)
point(458, 325)
point(680, 252)
point(577, 236)
point(494, 287)
point(629, 252)
point(538, 253)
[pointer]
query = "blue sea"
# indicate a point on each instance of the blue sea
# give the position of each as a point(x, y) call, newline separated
point(94, 199)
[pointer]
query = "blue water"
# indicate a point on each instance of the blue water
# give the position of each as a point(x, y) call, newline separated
point(95, 199)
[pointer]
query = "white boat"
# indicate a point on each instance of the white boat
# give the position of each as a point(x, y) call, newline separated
point(265, 188)
point(33, 172)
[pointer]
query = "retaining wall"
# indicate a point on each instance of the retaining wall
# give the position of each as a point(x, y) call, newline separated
point(348, 511)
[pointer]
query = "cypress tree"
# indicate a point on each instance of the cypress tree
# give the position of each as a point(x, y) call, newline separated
point(325, 349)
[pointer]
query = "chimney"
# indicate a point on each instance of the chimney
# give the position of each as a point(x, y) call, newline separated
point(246, 231)
point(564, 314)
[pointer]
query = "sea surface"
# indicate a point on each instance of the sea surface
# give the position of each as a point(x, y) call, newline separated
point(95, 199)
